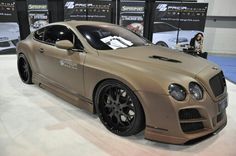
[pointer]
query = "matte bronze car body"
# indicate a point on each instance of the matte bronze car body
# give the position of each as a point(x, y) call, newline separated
point(148, 72)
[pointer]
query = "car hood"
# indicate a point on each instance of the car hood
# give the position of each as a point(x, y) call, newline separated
point(155, 58)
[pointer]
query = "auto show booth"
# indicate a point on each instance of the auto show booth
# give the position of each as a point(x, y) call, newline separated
point(167, 23)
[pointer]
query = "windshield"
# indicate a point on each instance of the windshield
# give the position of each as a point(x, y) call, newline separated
point(107, 37)
point(163, 27)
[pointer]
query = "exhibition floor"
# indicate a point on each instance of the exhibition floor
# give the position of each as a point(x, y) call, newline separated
point(34, 122)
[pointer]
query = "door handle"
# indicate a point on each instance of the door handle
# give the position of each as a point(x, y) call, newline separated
point(41, 50)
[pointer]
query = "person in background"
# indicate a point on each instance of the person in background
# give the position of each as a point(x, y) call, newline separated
point(196, 44)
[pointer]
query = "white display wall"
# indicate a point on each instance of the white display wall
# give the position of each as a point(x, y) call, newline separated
point(221, 7)
point(220, 31)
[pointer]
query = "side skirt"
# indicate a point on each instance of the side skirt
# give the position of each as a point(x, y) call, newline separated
point(75, 99)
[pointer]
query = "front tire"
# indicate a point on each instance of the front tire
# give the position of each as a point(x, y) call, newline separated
point(24, 69)
point(119, 109)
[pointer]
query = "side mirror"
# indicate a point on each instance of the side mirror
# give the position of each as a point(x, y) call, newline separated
point(64, 44)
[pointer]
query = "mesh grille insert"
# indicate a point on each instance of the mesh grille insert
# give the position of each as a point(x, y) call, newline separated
point(191, 113)
point(218, 84)
point(190, 127)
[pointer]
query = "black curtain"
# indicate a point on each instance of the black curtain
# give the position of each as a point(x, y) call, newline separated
point(22, 15)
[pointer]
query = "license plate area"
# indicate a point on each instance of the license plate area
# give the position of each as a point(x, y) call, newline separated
point(222, 105)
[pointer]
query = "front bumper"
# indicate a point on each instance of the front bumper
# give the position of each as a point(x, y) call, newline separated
point(165, 123)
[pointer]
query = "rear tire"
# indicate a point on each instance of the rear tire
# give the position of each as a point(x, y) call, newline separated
point(119, 109)
point(24, 69)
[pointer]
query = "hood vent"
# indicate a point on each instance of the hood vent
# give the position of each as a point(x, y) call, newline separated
point(164, 59)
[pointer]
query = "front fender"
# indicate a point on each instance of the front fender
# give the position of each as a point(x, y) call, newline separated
point(25, 47)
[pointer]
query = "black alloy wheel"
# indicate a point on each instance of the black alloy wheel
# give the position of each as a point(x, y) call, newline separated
point(24, 69)
point(119, 109)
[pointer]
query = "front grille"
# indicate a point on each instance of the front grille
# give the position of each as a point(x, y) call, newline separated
point(190, 127)
point(190, 113)
point(5, 44)
point(218, 84)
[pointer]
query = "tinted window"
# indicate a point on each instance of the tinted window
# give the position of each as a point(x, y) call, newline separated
point(95, 36)
point(39, 34)
point(78, 44)
point(162, 27)
point(57, 33)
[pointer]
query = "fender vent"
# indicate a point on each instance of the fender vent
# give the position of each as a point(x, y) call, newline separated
point(164, 59)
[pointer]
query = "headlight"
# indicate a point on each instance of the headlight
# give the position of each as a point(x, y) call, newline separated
point(196, 90)
point(177, 92)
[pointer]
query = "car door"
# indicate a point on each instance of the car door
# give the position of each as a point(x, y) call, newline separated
point(60, 67)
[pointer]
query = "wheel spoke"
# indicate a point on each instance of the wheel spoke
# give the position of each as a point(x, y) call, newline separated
point(127, 119)
point(25, 66)
point(117, 97)
point(129, 107)
point(111, 114)
point(111, 93)
point(119, 93)
point(25, 74)
point(127, 99)
point(119, 122)
point(107, 105)
point(25, 71)
point(127, 104)
point(109, 98)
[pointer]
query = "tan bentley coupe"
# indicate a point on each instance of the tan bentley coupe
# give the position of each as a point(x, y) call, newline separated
point(131, 84)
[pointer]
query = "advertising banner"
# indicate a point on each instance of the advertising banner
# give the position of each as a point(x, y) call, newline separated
point(37, 13)
point(132, 15)
point(99, 10)
point(75, 10)
point(92, 10)
point(176, 23)
point(9, 28)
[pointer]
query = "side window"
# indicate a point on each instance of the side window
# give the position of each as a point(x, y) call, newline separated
point(53, 33)
point(65, 34)
point(39, 34)
point(156, 28)
point(163, 28)
point(57, 33)
point(78, 44)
